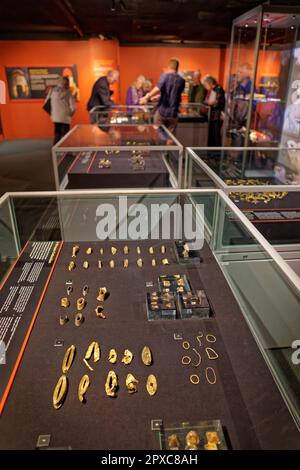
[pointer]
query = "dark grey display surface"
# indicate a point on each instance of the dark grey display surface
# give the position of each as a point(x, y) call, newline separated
point(245, 397)
point(121, 174)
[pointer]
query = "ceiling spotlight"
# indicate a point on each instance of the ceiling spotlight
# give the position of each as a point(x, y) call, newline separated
point(113, 5)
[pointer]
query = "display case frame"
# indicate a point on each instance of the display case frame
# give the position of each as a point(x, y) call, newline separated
point(253, 36)
point(122, 114)
point(171, 149)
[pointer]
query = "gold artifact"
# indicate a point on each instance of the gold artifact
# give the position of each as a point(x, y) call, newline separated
point(199, 358)
point(126, 250)
point(153, 262)
point(82, 388)
point(78, 319)
point(138, 250)
point(86, 264)
point(165, 261)
point(111, 384)
point(89, 251)
point(71, 266)
point(69, 290)
point(113, 250)
point(64, 302)
point(75, 251)
point(63, 319)
point(93, 350)
point(125, 263)
point(147, 356)
point(186, 345)
point(68, 359)
point(104, 163)
point(210, 446)
point(131, 383)
point(100, 264)
point(211, 353)
point(186, 251)
point(210, 375)
point(127, 358)
point(103, 293)
point(198, 338)
point(112, 264)
point(192, 440)
point(213, 437)
point(173, 442)
point(60, 392)
point(163, 249)
point(151, 385)
point(112, 356)
point(151, 250)
point(211, 338)
point(80, 303)
point(194, 379)
point(99, 312)
point(85, 290)
point(186, 360)
point(101, 251)
point(140, 263)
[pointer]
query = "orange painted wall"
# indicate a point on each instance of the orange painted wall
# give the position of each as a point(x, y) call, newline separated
point(27, 119)
point(150, 61)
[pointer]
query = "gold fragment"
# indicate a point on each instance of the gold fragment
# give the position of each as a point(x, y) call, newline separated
point(126, 250)
point(192, 440)
point(85, 290)
point(112, 356)
point(151, 385)
point(103, 293)
point(86, 264)
point(138, 250)
point(60, 392)
point(80, 303)
point(99, 311)
point(75, 251)
point(64, 302)
point(63, 319)
point(186, 345)
point(87, 364)
point(211, 338)
point(147, 356)
point(82, 388)
point(165, 261)
point(113, 250)
point(199, 358)
point(125, 263)
point(71, 266)
point(153, 262)
point(151, 250)
point(127, 357)
point(100, 264)
point(101, 251)
point(111, 384)
point(93, 350)
point(210, 446)
point(173, 442)
point(186, 360)
point(213, 437)
point(194, 379)
point(131, 383)
point(68, 359)
point(211, 353)
point(78, 319)
point(89, 251)
point(112, 264)
point(210, 375)
point(140, 263)
point(163, 249)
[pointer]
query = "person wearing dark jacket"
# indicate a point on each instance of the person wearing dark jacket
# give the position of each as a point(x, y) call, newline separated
point(215, 99)
point(101, 93)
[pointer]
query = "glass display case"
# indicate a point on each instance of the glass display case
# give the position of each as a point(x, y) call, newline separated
point(262, 89)
point(117, 156)
point(230, 168)
point(193, 124)
point(121, 114)
point(67, 256)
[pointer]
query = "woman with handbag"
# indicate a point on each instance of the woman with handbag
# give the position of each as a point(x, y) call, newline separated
point(60, 104)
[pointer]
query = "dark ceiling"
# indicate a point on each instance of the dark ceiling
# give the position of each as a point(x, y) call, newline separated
point(131, 21)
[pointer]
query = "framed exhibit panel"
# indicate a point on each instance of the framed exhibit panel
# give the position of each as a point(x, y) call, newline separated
point(194, 336)
point(117, 156)
point(263, 55)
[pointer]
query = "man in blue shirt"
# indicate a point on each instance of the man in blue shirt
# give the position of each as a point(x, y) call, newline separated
point(170, 88)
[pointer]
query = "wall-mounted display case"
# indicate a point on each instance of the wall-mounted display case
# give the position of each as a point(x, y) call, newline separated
point(262, 90)
point(62, 263)
point(117, 156)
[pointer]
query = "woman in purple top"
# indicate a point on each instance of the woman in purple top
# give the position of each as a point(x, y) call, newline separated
point(135, 91)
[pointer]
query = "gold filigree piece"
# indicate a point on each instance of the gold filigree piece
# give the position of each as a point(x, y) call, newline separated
point(147, 356)
point(131, 383)
point(99, 312)
point(199, 358)
point(103, 294)
point(60, 392)
point(112, 356)
point(111, 384)
point(127, 357)
point(89, 250)
point(86, 264)
point(211, 338)
point(192, 440)
point(71, 266)
point(82, 388)
point(151, 385)
point(210, 375)
point(173, 442)
point(125, 263)
point(194, 379)
point(186, 360)
point(140, 263)
point(68, 359)
point(64, 302)
point(186, 345)
point(80, 303)
point(165, 262)
point(75, 251)
point(212, 354)
point(79, 319)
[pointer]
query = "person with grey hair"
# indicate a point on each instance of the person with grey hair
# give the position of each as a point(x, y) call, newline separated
point(215, 99)
point(62, 107)
point(197, 91)
point(135, 91)
point(101, 93)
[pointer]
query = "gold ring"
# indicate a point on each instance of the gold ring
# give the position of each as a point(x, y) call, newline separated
point(186, 345)
point(211, 338)
point(186, 360)
point(194, 379)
